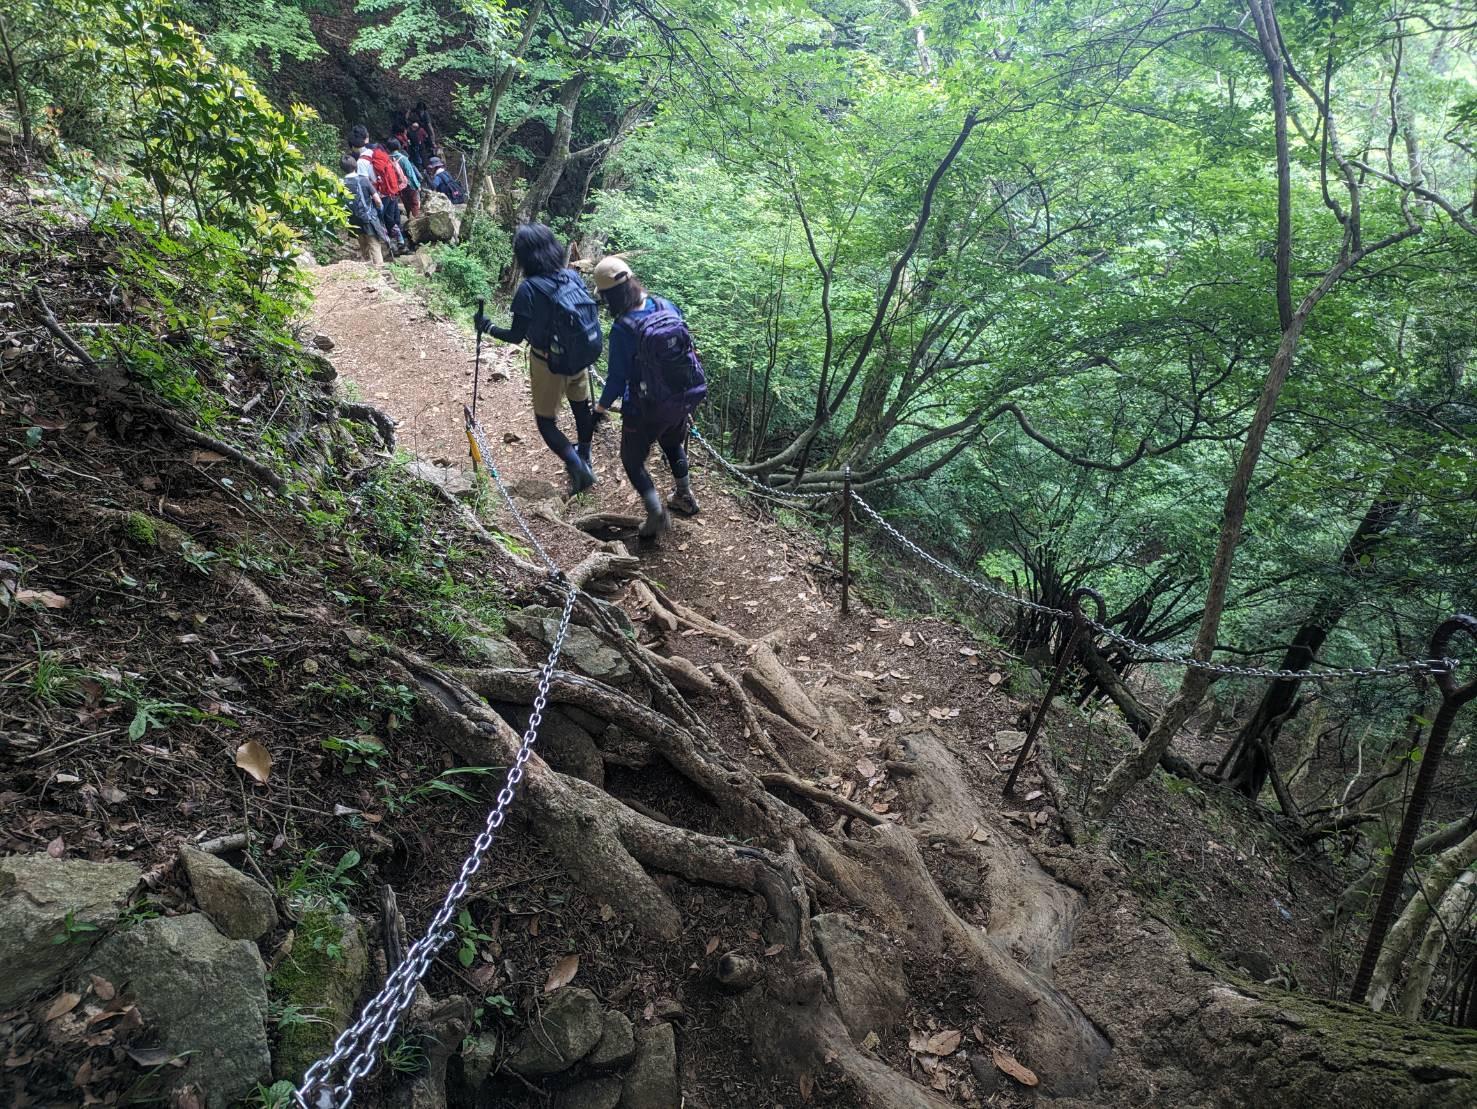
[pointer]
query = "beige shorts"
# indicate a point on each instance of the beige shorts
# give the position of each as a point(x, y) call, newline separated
point(551, 390)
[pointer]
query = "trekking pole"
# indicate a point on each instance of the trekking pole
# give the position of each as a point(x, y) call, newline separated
point(477, 360)
point(846, 541)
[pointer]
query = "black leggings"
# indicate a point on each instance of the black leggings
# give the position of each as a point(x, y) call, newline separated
point(636, 443)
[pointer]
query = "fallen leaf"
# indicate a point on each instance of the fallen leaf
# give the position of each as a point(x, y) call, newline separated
point(340, 810)
point(711, 947)
point(866, 767)
point(895, 716)
point(1035, 793)
point(1008, 1063)
point(255, 759)
point(881, 807)
point(968, 652)
point(979, 835)
point(150, 1056)
point(607, 912)
point(104, 989)
point(871, 1041)
point(207, 456)
point(773, 949)
point(944, 1043)
point(906, 639)
point(63, 1005)
point(996, 678)
point(807, 1086)
point(57, 848)
point(563, 973)
point(43, 597)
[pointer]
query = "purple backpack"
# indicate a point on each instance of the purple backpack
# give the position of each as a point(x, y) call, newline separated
point(669, 380)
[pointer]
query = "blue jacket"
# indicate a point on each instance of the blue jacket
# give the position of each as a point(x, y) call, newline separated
point(621, 364)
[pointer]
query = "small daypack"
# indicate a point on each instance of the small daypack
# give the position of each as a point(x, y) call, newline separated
point(575, 340)
point(388, 178)
point(670, 382)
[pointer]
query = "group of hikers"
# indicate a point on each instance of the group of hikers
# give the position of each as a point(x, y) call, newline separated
point(385, 180)
point(653, 368)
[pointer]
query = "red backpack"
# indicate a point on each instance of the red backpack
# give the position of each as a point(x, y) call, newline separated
point(387, 176)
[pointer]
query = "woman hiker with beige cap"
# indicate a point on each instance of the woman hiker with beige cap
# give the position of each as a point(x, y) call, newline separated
point(654, 369)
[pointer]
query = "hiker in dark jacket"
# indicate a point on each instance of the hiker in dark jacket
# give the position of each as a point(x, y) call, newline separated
point(443, 182)
point(363, 212)
point(628, 301)
point(541, 257)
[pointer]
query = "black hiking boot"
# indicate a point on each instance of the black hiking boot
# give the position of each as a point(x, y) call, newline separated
point(581, 477)
point(657, 520)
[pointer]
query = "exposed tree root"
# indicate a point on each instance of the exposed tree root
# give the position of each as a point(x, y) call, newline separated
point(757, 732)
point(377, 418)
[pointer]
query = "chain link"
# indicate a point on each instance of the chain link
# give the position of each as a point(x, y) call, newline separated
point(751, 481)
point(1411, 666)
point(329, 1083)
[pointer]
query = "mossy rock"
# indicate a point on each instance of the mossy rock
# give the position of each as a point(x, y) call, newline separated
point(321, 979)
point(141, 529)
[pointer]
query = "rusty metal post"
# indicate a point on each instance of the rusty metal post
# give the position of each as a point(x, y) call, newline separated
point(846, 541)
point(1063, 660)
point(1453, 697)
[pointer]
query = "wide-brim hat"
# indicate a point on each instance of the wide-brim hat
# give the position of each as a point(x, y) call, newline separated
point(435, 163)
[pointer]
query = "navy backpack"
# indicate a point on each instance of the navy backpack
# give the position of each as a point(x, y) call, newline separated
point(670, 382)
point(575, 340)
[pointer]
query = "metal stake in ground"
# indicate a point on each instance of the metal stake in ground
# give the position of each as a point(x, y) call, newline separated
point(846, 540)
point(477, 357)
point(1453, 697)
point(1063, 660)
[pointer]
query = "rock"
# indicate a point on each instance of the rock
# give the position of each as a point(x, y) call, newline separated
point(1257, 964)
point(597, 1093)
point(240, 907)
point(583, 650)
point(560, 1036)
point(37, 893)
point(320, 368)
point(511, 436)
point(323, 342)
point(323, 976)
point(496, 651)
point(1007, 740)
point(203, 996)
point(422, 261)
point(986, 1074)
point(617, 1045)
point(651, 1083)
point(438, 221)
point(453, 480)
point(866, 977)
point(533, 490)
point(478, 1055)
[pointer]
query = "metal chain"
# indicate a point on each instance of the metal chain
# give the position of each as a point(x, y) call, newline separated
point(1412, 666)
point(329, 1083)
point(751, 481)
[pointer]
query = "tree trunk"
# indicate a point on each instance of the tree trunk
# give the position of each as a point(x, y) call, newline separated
point(1444, 870)
point(1251, 763)
point(1447, 920)
point(481, 163)
point(553, 167)
point(18, 87)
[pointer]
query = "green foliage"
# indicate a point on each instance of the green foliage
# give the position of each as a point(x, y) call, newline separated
point(470, 936)
point(75, 931)
point(355, 752)
point(279, 1095)
point(256, 34)
point(315, 884)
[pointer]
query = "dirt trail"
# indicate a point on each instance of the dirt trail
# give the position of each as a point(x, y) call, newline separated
point(729, 561)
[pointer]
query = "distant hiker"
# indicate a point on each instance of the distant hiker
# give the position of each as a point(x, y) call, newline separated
point(556, 314)
point(389, 182)
point(420, 142)
point(445, 184)
point(654, 369)
point(359, 146)
point(423, 117)
point(363, 212)
point(400, 127)
point(411, 195)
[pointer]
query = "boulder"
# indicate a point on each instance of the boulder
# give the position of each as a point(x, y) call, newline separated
point(1008, 739)
point(596, 1093)
point(42, 898)
point(866, 977)
point(241, 907)
point(438, 222)
point(323, 342)
point(617, 1045)
point(320, 367)
point(535, 489)
point(323, 976)
point(569, 1026)
point(202, 995)
point(583, 650)
point(496, 651)
point(652, 1083)
point(478, 1055)
point(422, 261)
point(454, 480)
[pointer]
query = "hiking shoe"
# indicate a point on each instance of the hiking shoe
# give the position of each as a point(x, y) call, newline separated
point(581, 477)
point(657, 520)
point(684, 503)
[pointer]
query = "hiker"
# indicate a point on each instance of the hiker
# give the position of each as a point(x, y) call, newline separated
point(445, 184)
point(423, 118)
point(389, 182)
point(420, 142)
point(363, 212)
point(411, 195)
point(654, 370)
point(359, 147)
point(556, 314)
